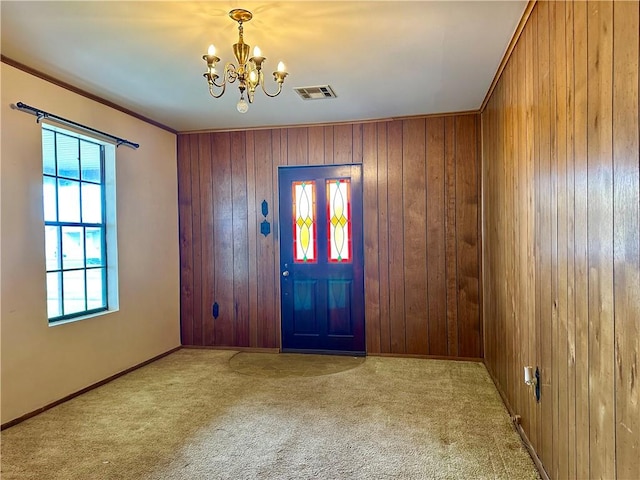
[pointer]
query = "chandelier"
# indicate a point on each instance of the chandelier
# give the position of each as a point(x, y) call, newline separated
point(248, 71)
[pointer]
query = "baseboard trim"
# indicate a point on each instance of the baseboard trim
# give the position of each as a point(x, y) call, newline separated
point(525, 440)
point(235, 349)
point(534, 456)
point(26, 416)
point(427, 357)
point(277, 350)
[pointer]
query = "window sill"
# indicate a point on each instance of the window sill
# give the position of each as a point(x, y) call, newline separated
point(83, 317)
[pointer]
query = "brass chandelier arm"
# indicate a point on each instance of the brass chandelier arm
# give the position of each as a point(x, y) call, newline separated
point(272, 94)
point(229, 76)
point(278, 77)
point(223, 86)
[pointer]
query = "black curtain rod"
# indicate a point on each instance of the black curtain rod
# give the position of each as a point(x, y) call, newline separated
point(42, 115)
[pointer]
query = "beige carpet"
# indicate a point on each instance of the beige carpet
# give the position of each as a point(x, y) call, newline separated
point(291, 365)
point(192, 416)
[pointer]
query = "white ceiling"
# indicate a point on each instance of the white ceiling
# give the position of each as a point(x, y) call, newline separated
point(382, 58)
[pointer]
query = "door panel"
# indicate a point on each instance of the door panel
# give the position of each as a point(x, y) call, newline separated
point(321, 255)
point(339, 308)
point(305, 321)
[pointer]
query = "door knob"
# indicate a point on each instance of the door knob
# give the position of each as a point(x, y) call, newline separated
point(285, 273)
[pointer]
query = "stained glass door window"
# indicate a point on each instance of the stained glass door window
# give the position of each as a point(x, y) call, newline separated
point(304, 222)
point(339, 220)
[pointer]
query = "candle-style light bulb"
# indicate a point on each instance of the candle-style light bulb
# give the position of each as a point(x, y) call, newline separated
point(280, 67)
point(211, 51)
point(256, 51)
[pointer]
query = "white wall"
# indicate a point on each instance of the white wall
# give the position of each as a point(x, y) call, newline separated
point(41, 364)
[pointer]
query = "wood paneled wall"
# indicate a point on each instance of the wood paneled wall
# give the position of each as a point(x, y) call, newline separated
point(561, 221)
point(421, 224)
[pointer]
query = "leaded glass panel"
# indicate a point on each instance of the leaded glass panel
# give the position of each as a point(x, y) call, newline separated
point(304, 222)
point(339, 219)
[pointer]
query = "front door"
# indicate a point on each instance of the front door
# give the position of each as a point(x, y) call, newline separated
point(321, 259)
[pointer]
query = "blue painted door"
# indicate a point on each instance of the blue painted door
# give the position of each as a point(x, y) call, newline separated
point(321, 259)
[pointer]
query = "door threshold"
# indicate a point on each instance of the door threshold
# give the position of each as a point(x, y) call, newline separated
point(324, 352)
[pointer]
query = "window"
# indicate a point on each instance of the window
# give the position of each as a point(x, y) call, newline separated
point(75, 219)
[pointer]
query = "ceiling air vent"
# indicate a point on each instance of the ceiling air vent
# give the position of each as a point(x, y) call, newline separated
point(315, 93)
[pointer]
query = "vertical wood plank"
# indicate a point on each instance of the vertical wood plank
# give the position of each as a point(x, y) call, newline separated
point(186, 240)
point(371, 245)
point(343, 144)
point(498, 205)
point(478, 169)
point(357, 149)
point(450, 237)
point(545, 238)
point(316, 145)
point(297, 146)
point(581, 255)
point(274, 333)
point(570, 205)
point(489, 164)
point(383, 237)
point(196, 226)
point(600, 240)
point(415, 259)
point(626, 214)
point(502, 204)
point(512, 160)
point(487, 157)
point(254, 217)
point(531, 424)
point(328, 145)
point(562, 242)
point(207, 259)
point(469, 338)
point(435, 219)
point(537, 212)
point(224, 325)
point(519, 242)
point(240, 214)
point(396, 237)
point(264, 158)
point(283, 144)
point(510, 167)
point(553, 212)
